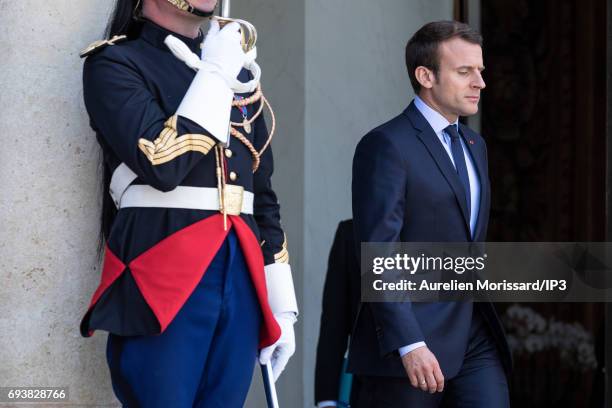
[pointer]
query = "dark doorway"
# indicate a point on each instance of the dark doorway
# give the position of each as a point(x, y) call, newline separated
point(544, 120)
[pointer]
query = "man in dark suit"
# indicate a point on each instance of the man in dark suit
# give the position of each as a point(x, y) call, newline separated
point(422, 177)
point(341, 295)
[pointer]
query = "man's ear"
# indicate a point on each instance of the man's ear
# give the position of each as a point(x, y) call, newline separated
point(425, 76)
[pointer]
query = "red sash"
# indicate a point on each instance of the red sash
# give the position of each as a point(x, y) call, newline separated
point(167, 273)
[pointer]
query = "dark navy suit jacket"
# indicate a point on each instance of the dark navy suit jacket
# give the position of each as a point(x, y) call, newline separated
point(405, 188)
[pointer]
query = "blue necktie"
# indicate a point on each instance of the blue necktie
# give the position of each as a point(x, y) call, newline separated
point(460, 166)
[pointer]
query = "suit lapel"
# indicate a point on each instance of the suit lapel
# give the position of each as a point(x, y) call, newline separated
point(429, 138)
point(480, 163)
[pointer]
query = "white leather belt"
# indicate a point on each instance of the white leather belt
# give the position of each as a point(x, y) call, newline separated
point(237, 200)
point(195, 198)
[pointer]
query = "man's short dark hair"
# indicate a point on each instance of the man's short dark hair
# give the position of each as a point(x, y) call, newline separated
point(422, 48)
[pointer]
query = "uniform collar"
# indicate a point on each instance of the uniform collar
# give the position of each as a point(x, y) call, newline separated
point(155, 35)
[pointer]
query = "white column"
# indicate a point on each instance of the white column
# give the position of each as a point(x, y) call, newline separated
point(49, 201)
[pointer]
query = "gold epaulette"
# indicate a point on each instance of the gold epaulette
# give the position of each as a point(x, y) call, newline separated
point(101, 44)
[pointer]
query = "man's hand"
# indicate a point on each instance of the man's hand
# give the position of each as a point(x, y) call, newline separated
point(423, 370)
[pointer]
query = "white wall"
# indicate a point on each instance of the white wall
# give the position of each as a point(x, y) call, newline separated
point(355, 80)
point(48, 205)
point(280, 50)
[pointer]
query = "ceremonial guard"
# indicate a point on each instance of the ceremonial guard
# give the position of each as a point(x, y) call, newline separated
point(195, 281)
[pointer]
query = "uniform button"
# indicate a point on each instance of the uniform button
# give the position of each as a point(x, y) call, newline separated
point(228, 153)
point(233, 176)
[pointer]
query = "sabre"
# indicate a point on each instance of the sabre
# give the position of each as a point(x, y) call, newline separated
point(225, 8)
point(249, 38)
point(270, 388)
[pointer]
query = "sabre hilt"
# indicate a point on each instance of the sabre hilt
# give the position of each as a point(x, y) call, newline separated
point(248, 31)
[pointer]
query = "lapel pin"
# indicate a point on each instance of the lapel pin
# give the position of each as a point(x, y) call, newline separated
point(471, 141)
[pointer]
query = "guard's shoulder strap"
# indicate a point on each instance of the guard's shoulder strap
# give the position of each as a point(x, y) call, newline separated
point(100, 45)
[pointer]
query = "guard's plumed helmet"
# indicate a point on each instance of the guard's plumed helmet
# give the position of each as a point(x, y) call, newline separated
point(185, 5)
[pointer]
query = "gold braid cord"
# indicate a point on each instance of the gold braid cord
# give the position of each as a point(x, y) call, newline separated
point(249, 146)
point(257, 96)
point(169, 145)
point(221, 184)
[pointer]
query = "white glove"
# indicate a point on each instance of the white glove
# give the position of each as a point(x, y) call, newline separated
point(222, 50)
point(208, 101)
point(216, 55)
point(280, 352)
point(193, 61)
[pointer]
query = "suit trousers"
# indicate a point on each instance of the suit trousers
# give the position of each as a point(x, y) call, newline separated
point(480, 383)
point(206, 356)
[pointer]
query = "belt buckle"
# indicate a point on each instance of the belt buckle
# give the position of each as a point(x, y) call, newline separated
point(233, 199)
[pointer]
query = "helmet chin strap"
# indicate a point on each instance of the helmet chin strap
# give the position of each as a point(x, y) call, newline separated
point(186, 6)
